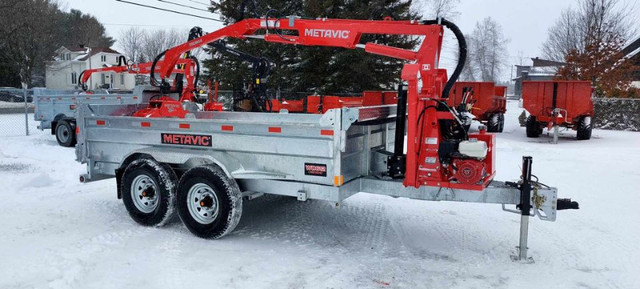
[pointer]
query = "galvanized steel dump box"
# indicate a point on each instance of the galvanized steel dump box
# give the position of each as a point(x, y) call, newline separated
point(52, 105)
point(329, 149)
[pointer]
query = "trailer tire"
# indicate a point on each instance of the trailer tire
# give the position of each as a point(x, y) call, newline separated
point(493, 125)
point(146, 176)
point(65, 133)
point(533, 127)
point(584, 128)
point(501, 128)
point(209, 203)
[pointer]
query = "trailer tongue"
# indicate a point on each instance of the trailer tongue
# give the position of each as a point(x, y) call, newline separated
point(204, 163)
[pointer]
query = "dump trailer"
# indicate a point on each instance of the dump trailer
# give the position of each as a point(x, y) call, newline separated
point(239, 156)
point(487, 101)
point(203, 164)
point(558, 103)
point(57, 109)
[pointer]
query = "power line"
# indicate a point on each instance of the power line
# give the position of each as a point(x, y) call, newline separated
point(183, 5)
point(169, 10)
point(201, 3)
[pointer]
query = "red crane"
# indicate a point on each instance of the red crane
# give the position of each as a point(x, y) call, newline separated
point(439, 148)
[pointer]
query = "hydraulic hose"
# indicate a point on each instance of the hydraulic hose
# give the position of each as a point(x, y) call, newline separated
point(82, 84)
point(121, 60)
point(462, 58)
point(152, 73)
point(197, 75)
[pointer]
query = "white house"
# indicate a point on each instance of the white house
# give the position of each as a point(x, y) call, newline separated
point(69, 62)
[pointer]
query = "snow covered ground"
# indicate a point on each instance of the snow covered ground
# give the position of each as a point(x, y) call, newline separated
point(58, 233)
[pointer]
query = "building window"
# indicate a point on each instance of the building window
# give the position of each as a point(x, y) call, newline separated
point(103, 78)
point(121, 79)
point(103, 58)
point(74, 78)
point(68, 56)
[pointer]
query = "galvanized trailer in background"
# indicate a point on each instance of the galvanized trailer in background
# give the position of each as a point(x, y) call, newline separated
point(56, 109)
point(204, 165)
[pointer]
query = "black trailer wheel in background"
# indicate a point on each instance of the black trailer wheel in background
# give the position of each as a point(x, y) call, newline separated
point(209, 203)
point(584, 128)
point(501, 118)
point(66, 133)
point(148, 192)
point(533, 127)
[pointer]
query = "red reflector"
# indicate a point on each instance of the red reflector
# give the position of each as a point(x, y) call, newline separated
point(227, 128)
point(275, 129)
point(326, 132)
point(88, 97)
point(103, 97)
point(73, 98)
point(135, 97)
point(100, 122)
point(185, 126)
point(73, 106)
point(145, 124)
point(77, 130)
point(119, 97)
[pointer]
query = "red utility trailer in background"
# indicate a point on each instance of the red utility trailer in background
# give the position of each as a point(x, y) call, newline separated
point(565, 103)
point(488, 102)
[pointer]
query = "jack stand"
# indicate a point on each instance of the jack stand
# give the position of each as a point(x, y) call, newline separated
point(555, 134)
point(525, 212)
point(521, 251)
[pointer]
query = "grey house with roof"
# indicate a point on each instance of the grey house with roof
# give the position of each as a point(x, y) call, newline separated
point(541, 69)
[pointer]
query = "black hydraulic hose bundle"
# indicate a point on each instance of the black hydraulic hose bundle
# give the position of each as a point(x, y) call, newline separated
point(396, 162)
point(161, 83)
point(462, 58)
point(152, 73)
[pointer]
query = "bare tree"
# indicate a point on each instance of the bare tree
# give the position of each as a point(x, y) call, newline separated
point(487, 50)
point(591, 20)
point(432, 9)
point(155, 42)
point(468, 72)
point(131, 41)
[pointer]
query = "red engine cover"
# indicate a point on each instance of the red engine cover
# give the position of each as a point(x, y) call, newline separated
point(469, 171)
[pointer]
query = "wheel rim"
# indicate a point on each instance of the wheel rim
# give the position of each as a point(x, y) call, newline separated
point(202, 203)
point(63, 133)
point(144, 193)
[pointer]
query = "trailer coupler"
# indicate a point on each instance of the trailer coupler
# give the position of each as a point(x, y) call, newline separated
point(567, 204)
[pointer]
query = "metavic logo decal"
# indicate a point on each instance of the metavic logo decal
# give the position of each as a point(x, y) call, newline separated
point(186, 139)
point(327, 33)
point(319, 170)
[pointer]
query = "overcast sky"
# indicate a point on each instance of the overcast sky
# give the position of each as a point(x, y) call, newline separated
point(524, 22)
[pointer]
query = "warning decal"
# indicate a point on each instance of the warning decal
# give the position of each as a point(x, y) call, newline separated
point(319, 170)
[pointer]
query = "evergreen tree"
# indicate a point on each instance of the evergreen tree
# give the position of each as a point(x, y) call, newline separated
point(26, 43)
point(319, 70)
